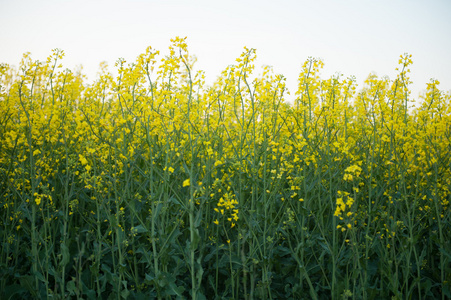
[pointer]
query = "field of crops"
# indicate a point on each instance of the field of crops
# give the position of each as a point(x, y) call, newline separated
point(153, 185)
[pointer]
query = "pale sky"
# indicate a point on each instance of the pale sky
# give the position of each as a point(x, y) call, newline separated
point(353, 37)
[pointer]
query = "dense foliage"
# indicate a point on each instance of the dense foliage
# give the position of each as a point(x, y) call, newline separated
point(152, 185)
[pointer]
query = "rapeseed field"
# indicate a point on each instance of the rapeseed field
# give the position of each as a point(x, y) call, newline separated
point(151, 184)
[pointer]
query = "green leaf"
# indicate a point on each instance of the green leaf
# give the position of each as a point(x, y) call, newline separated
point(140, 229)
point(28, 283)
point(195, 241)
point(445, 253)
point(149, 279)
point(12, 290)
point(125, 293)
point(65, 255)
point(200, 296)
point(176, 290)
point(40, 276)
point(198, 219)
point(71, 288)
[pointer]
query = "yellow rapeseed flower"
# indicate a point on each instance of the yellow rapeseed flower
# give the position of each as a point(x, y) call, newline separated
point(186, 182)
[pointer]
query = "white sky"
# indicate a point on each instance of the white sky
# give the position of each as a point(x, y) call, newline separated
point(353, 37)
